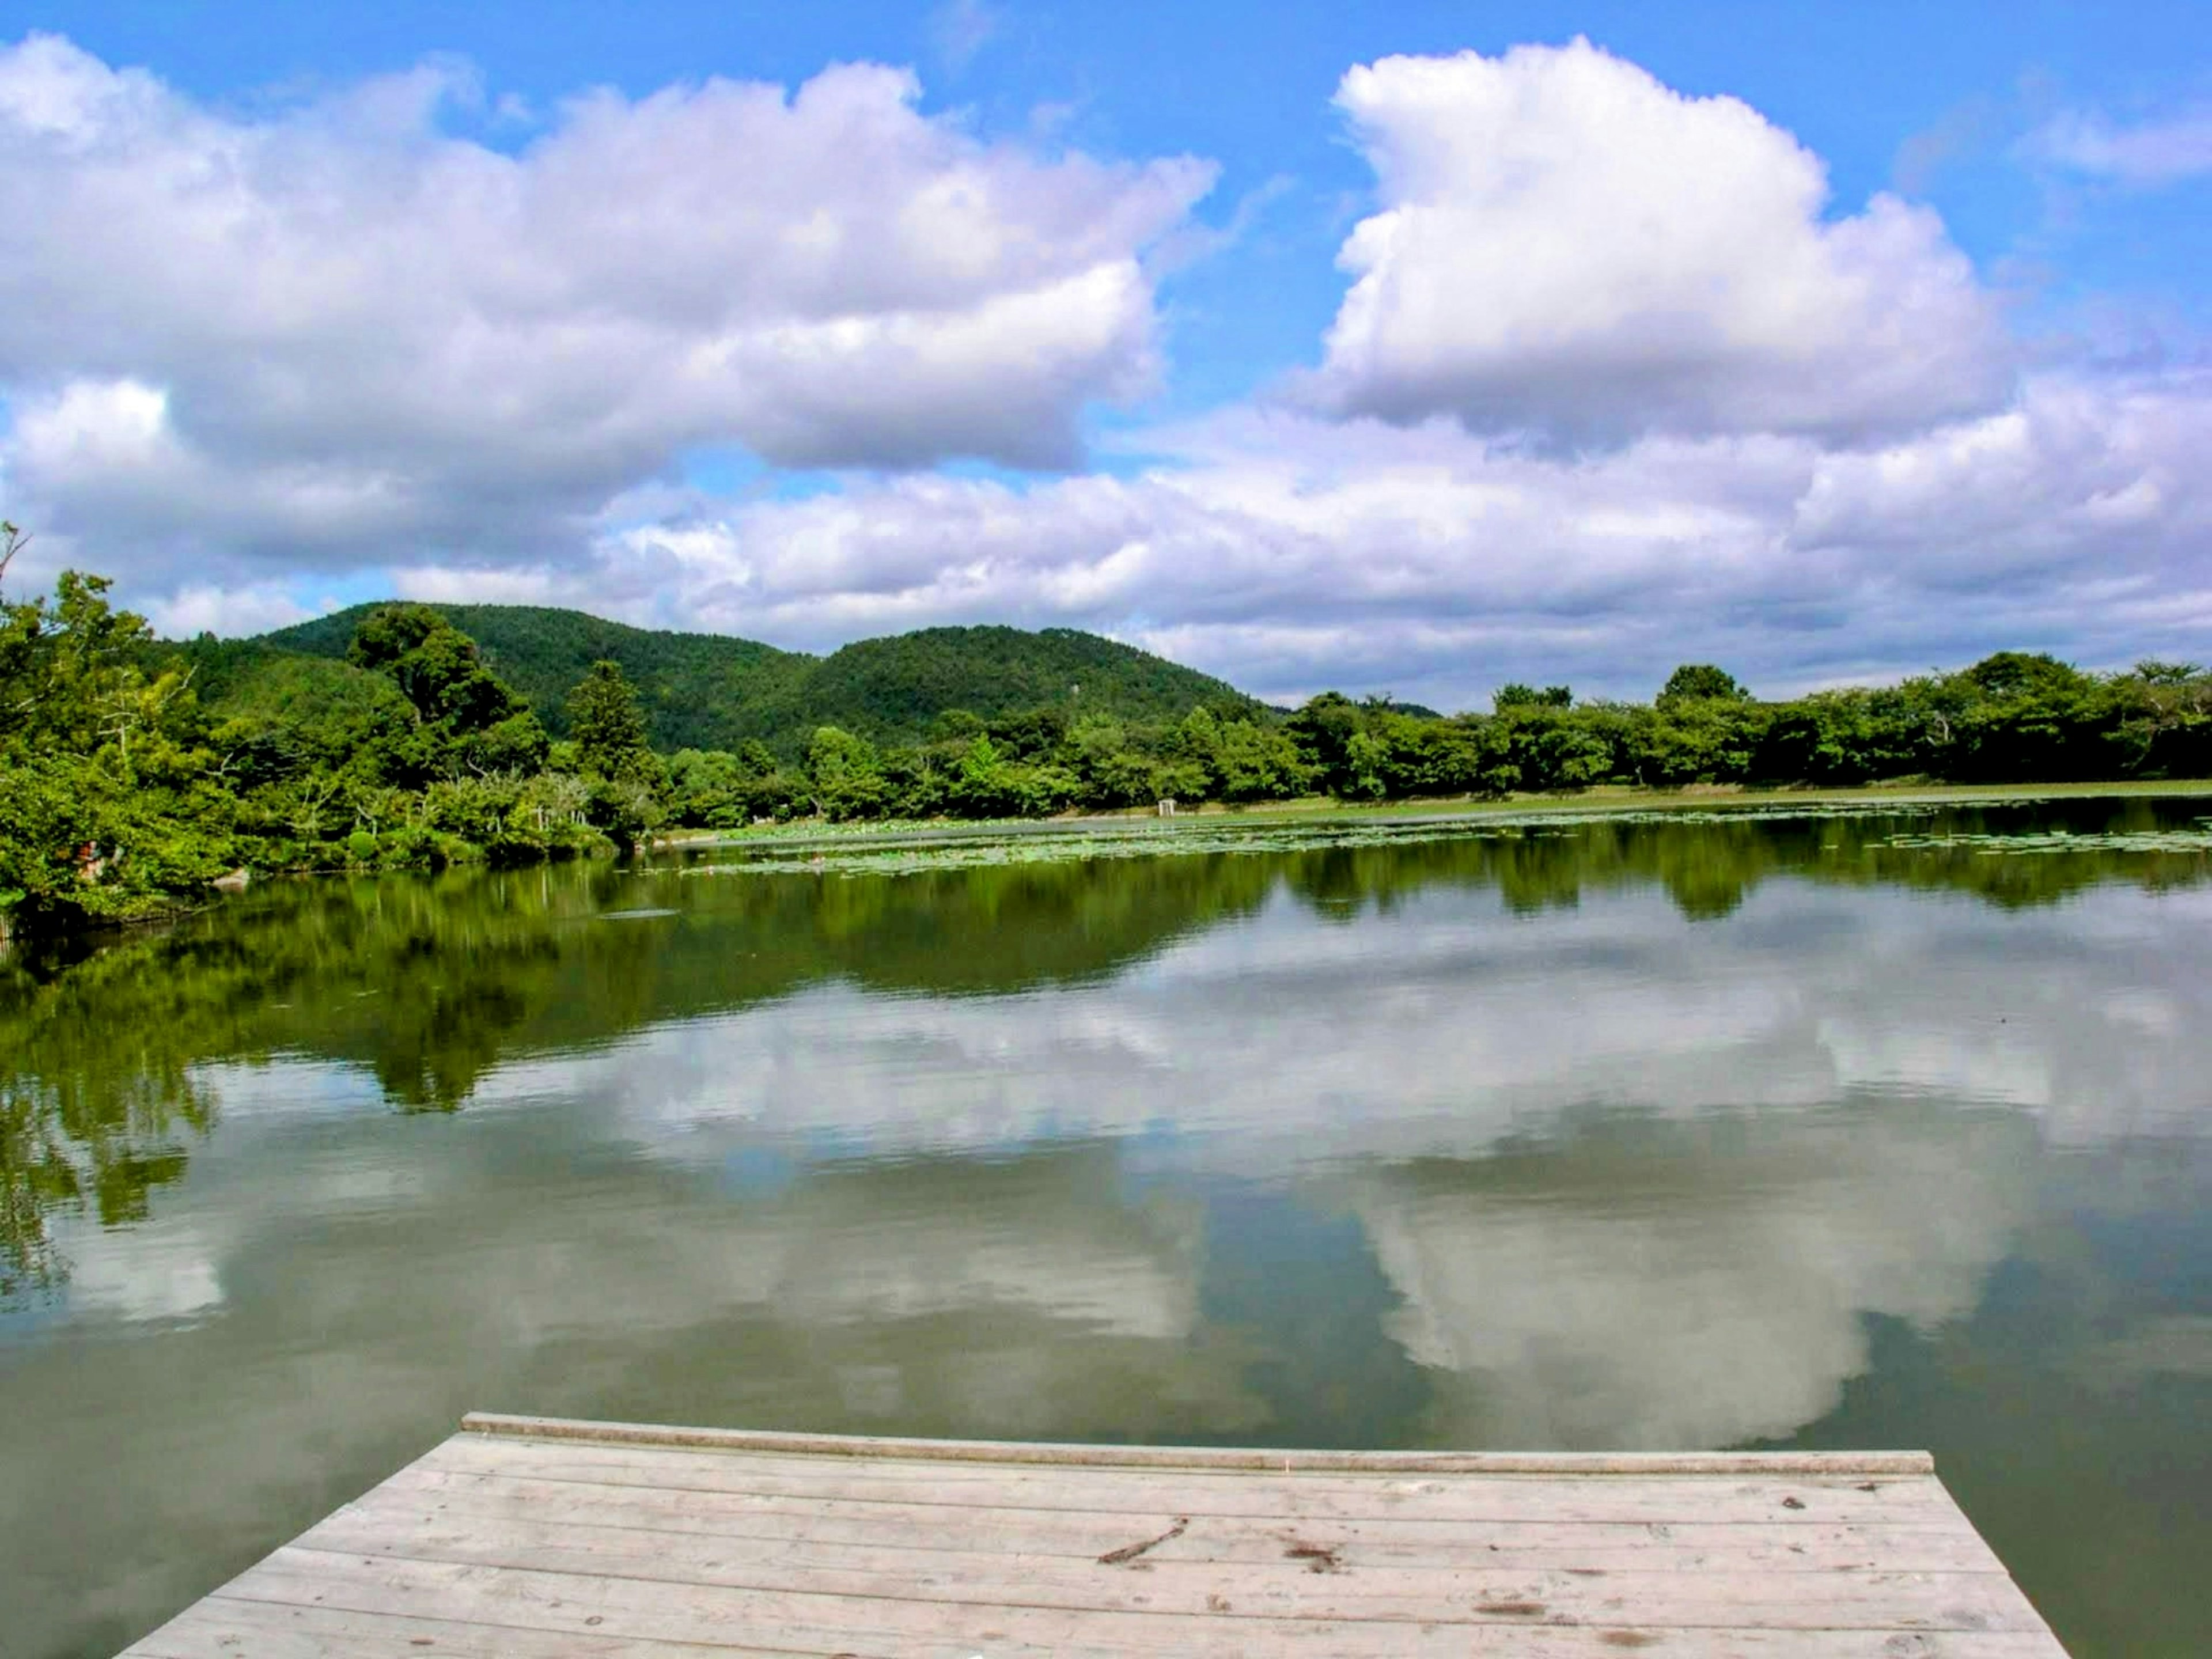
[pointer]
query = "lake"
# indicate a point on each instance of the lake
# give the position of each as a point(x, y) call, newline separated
point(1882, 1129)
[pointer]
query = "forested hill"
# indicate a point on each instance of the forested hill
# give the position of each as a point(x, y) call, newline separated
point(715, 691)
point(896, 687)
point(695, 688)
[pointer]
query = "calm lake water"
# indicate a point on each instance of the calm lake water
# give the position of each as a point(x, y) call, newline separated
point(1873, 1131)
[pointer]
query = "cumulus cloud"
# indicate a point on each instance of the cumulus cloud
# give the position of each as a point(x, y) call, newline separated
point(1568, 246)
point(316, 333)
point(2152, 153)
point(245, 357)
point(1289, 553)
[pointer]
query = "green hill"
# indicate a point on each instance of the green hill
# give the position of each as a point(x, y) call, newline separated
point(897, 686)
point(692, 685)
point(714, 691)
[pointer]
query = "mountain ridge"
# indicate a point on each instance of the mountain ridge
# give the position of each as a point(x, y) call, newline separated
point(701, 690)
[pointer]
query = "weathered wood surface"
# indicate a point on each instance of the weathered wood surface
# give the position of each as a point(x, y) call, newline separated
point(535, 1538)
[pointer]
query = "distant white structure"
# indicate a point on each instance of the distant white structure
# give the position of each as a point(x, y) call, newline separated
point(1167, 807)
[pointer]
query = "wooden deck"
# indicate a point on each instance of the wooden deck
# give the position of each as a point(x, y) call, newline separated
point(533, 1538)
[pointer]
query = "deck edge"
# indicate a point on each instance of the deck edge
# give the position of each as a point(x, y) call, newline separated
point(1199, 1458)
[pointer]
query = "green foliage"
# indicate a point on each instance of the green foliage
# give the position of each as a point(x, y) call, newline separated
point(605, 724)
point(466, 721)
point(2152, 671)
point(1516, 696)
point(709, 692)
point(692, 688)
point(123, 797)
point(896, 687)
point(105, 809)
point(845, 774)
point(2013, 718)
point(1701, 681)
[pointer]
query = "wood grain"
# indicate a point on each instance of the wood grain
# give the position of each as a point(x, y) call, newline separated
point(538, 1538)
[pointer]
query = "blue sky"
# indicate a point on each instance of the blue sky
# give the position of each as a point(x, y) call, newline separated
point(1315, 344)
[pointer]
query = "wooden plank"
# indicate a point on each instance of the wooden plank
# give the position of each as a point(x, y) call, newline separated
point(1063, 1455)
point(638, 1609)
point(501, 1452)
point(495, 1452)
point(1651, 1499)
point(1284, 1589)
point(224, 1627)
point(626, 1542)
point(428, 1494)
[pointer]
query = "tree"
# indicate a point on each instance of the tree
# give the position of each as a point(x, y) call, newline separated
point(1322, 730)
point(604, 722)
point(12, 542)
point(466, 721)
point(69, 667)
point(2150, 670)
point(847, 773)
point(1255, 762)
point(1700, 682)
point(1110, 769)
point(100, 816)
point(2024, 673)
point(1518, 695)
point(1366, 757)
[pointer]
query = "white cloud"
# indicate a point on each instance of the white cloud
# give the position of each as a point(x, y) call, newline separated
point(2153, 153)
point(1288, 553)
point(244, 356)
point(1569, 247)
point(203, 610)
point(315, 333)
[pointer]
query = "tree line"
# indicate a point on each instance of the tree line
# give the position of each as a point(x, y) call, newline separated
point(123, 792)
point(2014, 717)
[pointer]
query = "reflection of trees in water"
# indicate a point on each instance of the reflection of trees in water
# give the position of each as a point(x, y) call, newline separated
point(1708, 866)
point(95, 1105)
point(428, 983)
point(37, 1175)
point(100, 1142)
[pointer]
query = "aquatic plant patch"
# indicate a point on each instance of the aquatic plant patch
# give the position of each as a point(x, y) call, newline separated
point(2060, 840)
point(968, 851)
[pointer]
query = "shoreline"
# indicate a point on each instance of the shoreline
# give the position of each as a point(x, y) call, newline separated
point(1604, 799)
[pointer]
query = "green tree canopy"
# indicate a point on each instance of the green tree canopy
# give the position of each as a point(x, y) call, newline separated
point(2153, 672)
point(1518, 695)
point(2024, 673)
point(434, 665)
point(1701, 681)
point(467, 721)
point(604, 722)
